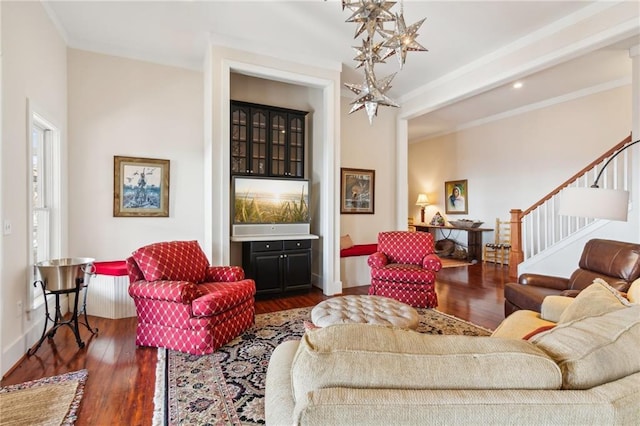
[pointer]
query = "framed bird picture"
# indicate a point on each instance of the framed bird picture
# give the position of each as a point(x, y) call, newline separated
point(140, 187)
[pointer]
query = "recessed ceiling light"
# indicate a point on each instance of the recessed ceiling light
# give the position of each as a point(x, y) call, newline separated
point(517, 85)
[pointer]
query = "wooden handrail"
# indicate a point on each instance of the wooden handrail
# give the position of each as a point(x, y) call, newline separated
point(516, 255)
point(577, 175)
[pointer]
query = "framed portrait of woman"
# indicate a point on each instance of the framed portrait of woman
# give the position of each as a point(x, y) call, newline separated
point(456, 197)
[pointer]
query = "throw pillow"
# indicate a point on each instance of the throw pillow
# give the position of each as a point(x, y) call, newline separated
point(345, 242)
point(633, 294)
point(594, 350)
point(597, 299)
point(174, 261)
point(553, 306)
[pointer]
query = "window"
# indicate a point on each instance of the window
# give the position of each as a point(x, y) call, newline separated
point(44, 175)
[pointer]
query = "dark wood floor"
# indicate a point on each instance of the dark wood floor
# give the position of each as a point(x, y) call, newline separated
point(121, 382)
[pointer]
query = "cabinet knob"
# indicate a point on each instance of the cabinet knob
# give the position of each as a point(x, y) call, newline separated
point(267, 245)
point(298, 244)
point(284, 255)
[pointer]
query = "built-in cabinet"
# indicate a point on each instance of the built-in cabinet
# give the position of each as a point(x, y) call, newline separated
point(278, 266)
point(267, 141)
point(270, 141)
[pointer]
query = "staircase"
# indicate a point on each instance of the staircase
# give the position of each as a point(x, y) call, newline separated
point(540, 227)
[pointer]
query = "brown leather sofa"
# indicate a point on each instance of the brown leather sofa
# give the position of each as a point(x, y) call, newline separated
point(616, 262)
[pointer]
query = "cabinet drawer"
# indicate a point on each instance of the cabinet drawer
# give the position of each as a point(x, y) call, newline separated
point(297, 244)
point(266, 246)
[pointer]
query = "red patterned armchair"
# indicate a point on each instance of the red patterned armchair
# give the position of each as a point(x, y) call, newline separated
point(184, 304)
point(404, 268)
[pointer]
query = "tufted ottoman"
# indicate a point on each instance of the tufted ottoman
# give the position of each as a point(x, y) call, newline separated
point(364, 309)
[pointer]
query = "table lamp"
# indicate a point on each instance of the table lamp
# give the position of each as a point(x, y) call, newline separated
point(422, 201)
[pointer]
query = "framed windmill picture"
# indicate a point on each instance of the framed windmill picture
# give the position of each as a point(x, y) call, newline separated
point(140, 187)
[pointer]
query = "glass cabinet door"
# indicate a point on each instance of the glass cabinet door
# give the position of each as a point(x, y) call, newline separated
point(296, 146)
point(239, 141)
point(258, 142)
point(278, 143)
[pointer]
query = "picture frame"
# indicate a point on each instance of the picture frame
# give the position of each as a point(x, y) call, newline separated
point(456, 194)
point(140, 187)
point(357, 191)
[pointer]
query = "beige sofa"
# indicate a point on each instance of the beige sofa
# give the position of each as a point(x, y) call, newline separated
point(584, 370)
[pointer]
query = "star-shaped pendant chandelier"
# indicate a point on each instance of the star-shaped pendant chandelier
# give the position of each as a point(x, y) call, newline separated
point(371, 17)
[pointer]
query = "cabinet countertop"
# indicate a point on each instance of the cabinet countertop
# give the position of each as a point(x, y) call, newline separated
point(274, 237)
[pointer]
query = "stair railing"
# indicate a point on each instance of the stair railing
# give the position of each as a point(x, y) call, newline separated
point(540, 226)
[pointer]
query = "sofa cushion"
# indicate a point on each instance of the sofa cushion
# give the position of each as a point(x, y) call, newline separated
point(595, 350)
point(405, 247)
point(553, 307)
point(172, 260)
point(599, 298)
point(528, 297)
point(634, 292)
point(519, 324)
point(369, 356)
point(221, 297)
point(403, 273)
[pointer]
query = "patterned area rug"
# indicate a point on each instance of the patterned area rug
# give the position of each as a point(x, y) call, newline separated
point(227, 387)
point(49, 401)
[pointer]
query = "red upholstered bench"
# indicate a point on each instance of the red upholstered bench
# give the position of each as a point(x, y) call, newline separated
point(354, 270)
point(114, 268)
point(108, 291)
point(359, 250)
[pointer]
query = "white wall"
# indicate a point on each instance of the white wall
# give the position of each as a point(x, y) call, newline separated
point(370, 146)
point(514, 162)
point(274, 93)
point(131, 108)
point(34, 67)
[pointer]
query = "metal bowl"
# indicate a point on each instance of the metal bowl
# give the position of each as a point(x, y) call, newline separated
point(62, 274)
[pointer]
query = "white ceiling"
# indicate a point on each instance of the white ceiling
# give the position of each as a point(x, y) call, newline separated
point(456, 33)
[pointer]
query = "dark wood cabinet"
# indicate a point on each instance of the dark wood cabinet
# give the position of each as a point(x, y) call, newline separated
point(278, 266)
point(267, 141)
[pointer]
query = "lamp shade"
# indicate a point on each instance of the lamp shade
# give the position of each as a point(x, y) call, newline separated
point(422, 200)
point(596, 203)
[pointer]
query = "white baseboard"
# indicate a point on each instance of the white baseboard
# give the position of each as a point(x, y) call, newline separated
point(34, 324)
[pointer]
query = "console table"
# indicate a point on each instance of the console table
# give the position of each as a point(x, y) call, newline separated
point(474, 239)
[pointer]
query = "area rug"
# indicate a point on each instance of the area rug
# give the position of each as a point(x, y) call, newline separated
point(227, 387)
point(49, 401)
